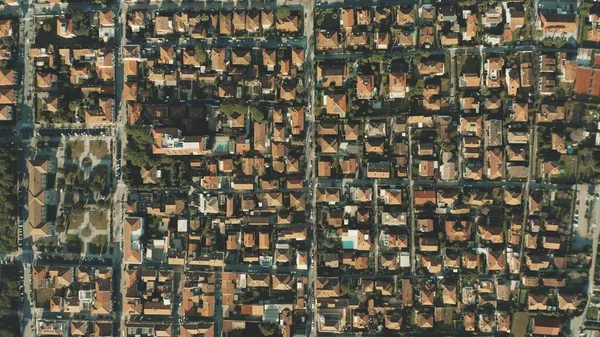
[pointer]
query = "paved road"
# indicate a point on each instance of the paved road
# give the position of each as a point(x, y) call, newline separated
point(23, 131)
point(463, 51)
point(310, 176)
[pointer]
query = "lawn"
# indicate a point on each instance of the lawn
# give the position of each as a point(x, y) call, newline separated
point(42, 297)
point(86, 231)
point(98, 148)
point(523, 297)
point(74, 244)
point(75, 219)
point(98, 245)
point(99, 219)
point(520, 323)
point(328, 19)
point(76, 148)
point(592, 313)
point(570, 166)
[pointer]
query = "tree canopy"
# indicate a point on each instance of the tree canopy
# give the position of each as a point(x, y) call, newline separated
point(139, 140)
point(199, 54)
point(228, 108)
point(8, 198)
point(283, 12)
point(8, 297)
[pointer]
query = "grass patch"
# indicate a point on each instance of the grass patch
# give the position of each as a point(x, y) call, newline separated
point(523, 297)
point(98, 148)
point(584, 32)
point(75, 219)
point(328, 19)
point(74, 244)
point(570, 166)
point(99, 219)
point(86, 231)
point(42, 297)
point(98, 245)
point(86, 162)
point(76, 148)
point(520, 323)
point(592, 313)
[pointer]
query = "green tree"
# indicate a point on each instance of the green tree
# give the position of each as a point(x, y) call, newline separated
point(7, 41)
point(199, 54)
point(267, 329)
point(485, 91)
point(283, 12)
point(6, 333)
point(230, 107)
point(257, 114)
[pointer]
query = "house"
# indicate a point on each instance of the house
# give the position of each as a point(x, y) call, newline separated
point(6, 28)
point(239, 20)
point(449, 294)
point(427, 36)
point(495, 164)
point(520, 112)
point(405, 15)
point(472, 21)
point(218, 59)
point(427, 12)
point(496, 261)
point(492, 17)
point(424, 320)
point(382, 40)
point(567, 301)
point(7, 77)
point(447, 13)
point(469, 80)
point(266, 19)
point(327, 40)
point(424, 197)
point(515, 18)
point(546, 326)
point(133, 229)
point(382, 14)
point(405, 38)
point(365, 86)
point(136, 21)
point(550, 113)
point(587, 81)
point(513, 82)
point(64, 27)
point(471, 125)
point(493, 132)
point(356, 37)
point(457, 230)
point(537, 301)
point(526, 74)
point(558, 23)
point(469, 321)
point(288, 24)
point(547, 63)
point(397, 85)
point(469, 103)
point(225, 25)
point(163, 25)
point(431, 67)
point(493, 67)
point(428, 244)
point(450, 39)
point(335, 104)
